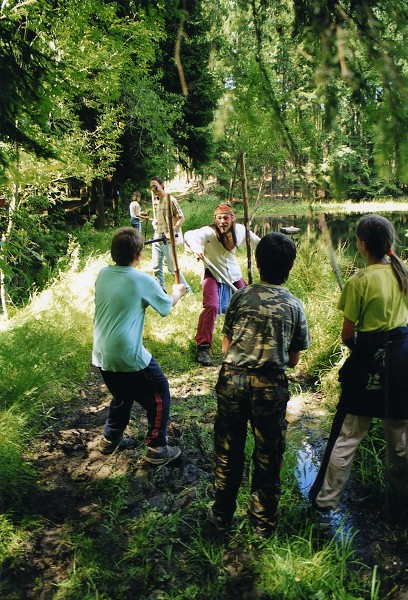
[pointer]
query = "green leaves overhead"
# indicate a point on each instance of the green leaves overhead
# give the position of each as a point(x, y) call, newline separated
point(98, 87)
point(319, 81)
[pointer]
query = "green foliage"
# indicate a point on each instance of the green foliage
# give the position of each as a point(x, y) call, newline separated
point(37, 247)
point(190, 77)
point(147, 144)
point(54, 331)
point(12, 540)
point(199, 211)
point(370, 460)
point(16, 474)
point(314, 92)
point(26, 74)
point(293, 569)
point(319, 293)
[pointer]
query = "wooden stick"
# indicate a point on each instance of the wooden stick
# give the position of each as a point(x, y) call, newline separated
point(216, 271)
point(213, 269)
point(172, 239)
point(328, 241)
point(246, 217)
point(153, 205)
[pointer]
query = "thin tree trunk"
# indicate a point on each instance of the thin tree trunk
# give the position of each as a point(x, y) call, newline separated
point(98, 198)
point(261, 185)
point(5, 240)
point(246, 216)
point(232, 186)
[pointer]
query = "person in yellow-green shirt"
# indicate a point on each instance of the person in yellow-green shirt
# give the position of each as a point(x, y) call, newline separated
point(374, 378)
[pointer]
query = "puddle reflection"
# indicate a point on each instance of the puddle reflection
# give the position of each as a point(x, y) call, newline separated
point(308, 461)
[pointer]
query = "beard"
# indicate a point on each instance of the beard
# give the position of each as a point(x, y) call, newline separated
point(222, 233)
point(224, 229)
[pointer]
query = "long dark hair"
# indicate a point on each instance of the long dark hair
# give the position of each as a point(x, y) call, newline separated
point(379, 236)
point(221, 236)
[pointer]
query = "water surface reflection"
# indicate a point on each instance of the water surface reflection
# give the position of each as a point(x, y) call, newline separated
point(342, 228)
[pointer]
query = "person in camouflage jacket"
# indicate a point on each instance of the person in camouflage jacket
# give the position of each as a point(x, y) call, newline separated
point(264, 331)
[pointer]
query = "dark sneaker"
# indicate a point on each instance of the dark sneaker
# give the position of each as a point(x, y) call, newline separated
point(327, 519)
point(203, 355)
point(108, 447)
point(161, 457)
point(218, 522)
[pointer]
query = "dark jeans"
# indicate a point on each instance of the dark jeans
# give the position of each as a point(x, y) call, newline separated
point(149, 388)
point(261, 399)
point(135, 223)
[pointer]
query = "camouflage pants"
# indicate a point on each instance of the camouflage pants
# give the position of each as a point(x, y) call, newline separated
point(261, 400)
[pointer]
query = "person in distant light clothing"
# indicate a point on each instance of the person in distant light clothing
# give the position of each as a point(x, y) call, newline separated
point(134, 209)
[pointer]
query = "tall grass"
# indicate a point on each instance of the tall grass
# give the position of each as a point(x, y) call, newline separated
point(163, 548)
point(44, 349)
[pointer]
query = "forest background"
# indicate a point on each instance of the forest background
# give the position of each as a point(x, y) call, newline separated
point(314, 95)
point(108, 93)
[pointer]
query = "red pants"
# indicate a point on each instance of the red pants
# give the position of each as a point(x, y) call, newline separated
point(206, 321)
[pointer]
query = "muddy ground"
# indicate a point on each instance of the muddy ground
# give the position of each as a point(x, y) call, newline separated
point(68, 464)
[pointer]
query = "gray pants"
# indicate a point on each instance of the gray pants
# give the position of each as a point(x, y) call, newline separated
point(347, 432)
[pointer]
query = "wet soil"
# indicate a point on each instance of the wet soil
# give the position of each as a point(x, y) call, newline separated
point(69, 467)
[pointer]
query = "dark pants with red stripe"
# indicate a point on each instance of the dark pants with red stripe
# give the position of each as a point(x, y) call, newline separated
point(149, 388)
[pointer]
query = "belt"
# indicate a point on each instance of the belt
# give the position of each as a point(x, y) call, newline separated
point(255, 371)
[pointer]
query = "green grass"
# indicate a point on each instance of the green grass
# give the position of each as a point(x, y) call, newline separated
point(132, 545)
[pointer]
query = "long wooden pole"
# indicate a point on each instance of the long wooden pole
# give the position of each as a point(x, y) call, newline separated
point(328, 241)
point(172, 239)
point(246, 216)
point(153, 205)
point(213, 268)
point(216, 271)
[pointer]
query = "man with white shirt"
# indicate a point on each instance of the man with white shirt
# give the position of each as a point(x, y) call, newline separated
point(218, 243)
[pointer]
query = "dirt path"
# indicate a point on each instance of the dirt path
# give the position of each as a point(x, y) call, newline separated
point(69, 467)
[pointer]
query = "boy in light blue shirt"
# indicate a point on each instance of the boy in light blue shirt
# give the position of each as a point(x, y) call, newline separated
point(129, 371)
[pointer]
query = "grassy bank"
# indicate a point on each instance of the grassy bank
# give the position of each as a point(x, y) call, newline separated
point(144, 535)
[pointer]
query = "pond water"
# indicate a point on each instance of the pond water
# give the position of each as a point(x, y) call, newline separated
point(341, 226)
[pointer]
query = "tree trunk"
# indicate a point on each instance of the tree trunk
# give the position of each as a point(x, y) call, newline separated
point(98, 198)
point(5, 239)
